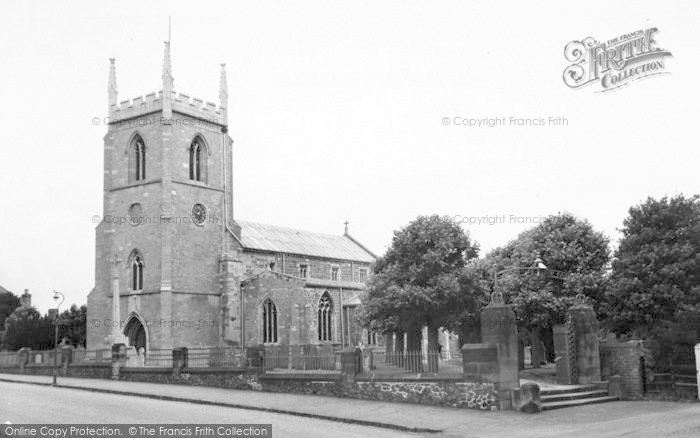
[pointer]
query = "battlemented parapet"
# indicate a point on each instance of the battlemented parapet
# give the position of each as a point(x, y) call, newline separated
point(181, 103)
point(199, 108)
point(166, 101)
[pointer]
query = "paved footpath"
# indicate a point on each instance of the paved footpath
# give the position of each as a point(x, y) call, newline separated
point(639, 419)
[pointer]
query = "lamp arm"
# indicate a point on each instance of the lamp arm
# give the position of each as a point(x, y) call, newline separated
point(527, 268)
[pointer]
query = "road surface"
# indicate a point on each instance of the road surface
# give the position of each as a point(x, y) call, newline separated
point(22, 403)
point(26, 403)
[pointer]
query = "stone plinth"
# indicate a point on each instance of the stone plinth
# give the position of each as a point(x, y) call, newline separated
point(529, 398)
point(254, 356)
point(350, 363)
point(616, 387)
point(67, 354)
point(480, 363)
point(118, 359)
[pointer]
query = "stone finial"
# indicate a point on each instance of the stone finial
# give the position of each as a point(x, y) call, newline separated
point(223, 88)
point(497, 297)
point(581, 300)
point(112, 86)
point(168, 85)
point(347, 231)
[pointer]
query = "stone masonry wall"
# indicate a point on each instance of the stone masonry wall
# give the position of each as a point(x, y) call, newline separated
point(98, 371)
point(318, 268)
point(623, 359)
point(481, 396)
point(191, 251)
point(297, 306)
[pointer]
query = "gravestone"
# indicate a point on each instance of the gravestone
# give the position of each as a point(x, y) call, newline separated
point(23, 357)
point(538, 352)
point(180, 359)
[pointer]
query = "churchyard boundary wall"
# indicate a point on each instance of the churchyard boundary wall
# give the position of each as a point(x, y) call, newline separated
point(346, 379)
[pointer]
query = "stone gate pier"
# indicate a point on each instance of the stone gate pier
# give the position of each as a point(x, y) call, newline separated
point(495, 359)
point(576, 346)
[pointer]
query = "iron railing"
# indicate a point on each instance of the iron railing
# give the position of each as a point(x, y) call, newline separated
point(294, 359)
point(429, 363)
point(203, 357)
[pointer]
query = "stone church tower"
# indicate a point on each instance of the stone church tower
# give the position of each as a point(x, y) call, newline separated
point(173, 268)
point(167, 203)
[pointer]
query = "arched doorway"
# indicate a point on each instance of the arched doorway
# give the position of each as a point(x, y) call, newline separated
point(136, 334)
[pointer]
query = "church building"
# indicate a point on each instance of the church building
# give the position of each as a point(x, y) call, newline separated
point(175, 268)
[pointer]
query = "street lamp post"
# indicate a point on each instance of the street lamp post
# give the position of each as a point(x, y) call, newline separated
point(55, 358)
point(538, 265)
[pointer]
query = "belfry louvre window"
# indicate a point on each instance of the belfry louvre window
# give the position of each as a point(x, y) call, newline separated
point(304, 271)
point(334, 273)
point(269, 317)
point(137, 272)
point(138, 159)
point(198, 160)
point(325, 314)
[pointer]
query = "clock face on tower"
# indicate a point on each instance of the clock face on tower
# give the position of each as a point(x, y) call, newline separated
point(199, 214)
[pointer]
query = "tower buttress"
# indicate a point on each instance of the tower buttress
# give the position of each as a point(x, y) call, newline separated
point(167, 83)
point(112, 87)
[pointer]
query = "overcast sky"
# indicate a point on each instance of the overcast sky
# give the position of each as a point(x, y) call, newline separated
point(336, 111)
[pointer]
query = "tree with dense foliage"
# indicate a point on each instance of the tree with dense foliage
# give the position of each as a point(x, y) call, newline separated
point(26, 327)
point(576, 257)
point(8, 303)
point(73, 328)
point(475, 286)
point(655, 284)
point(419, 281)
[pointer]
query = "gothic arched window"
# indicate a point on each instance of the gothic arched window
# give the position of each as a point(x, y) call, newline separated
point(269, 317)
point(198, 160)
point(136, 271)
point(137, 159)
point(325, 313)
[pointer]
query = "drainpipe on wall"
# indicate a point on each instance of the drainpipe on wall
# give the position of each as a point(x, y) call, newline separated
point(348, 325)
point(240, 287)
point(342, 328)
